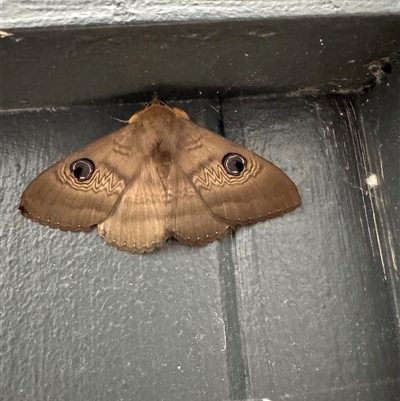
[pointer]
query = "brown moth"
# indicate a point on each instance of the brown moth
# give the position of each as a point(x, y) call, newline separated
point(161, 176)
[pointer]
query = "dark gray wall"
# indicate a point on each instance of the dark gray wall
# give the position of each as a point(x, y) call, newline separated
point(298, 305)
point(58, 67)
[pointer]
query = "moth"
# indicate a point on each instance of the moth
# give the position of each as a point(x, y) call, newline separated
point(161, 176)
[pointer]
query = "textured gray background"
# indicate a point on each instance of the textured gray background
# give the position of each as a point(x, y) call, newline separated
point(33, 13)
point(303, 307)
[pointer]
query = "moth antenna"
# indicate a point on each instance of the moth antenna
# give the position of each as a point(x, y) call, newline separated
point(214, 108)
point(121, 121)
point(198, 113)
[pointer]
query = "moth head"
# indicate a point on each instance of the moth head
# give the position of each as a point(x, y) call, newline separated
point(234, 163)
point(82, 169)
point(179, 113)
point(156, 107)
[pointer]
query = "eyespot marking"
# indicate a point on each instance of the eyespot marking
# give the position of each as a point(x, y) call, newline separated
point(82, 169)
point(234, 163)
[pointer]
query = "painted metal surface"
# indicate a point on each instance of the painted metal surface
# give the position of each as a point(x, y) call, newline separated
point(304, 307)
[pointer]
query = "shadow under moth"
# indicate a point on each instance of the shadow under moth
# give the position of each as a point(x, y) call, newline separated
point(159, 177)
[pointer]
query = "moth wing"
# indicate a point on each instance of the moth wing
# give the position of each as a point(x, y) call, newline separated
point(137, 224)
point(261, 191)
point(190, 220)
point(56, 198)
